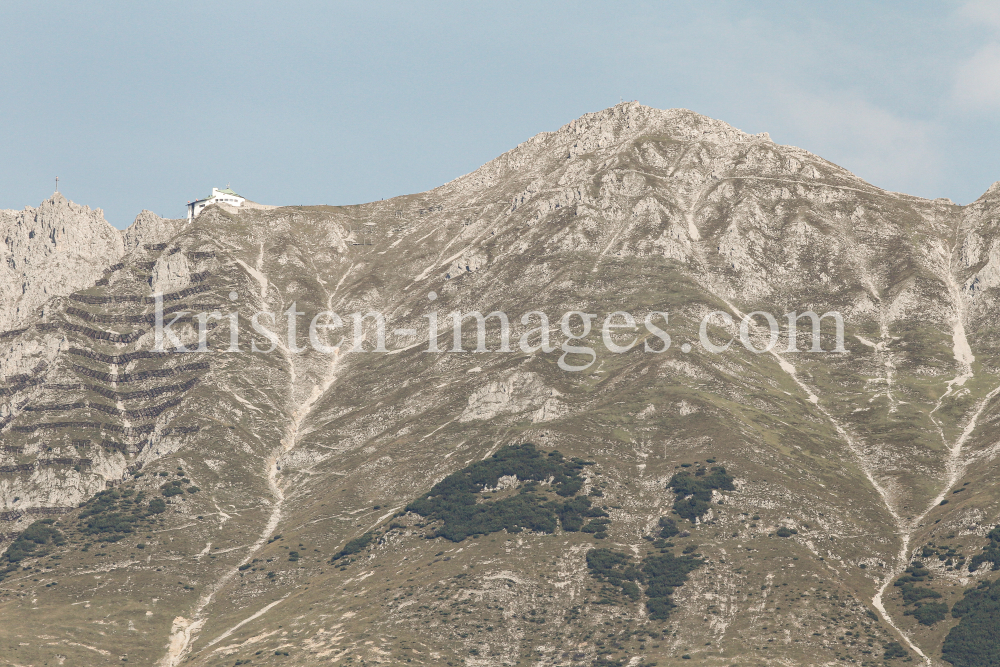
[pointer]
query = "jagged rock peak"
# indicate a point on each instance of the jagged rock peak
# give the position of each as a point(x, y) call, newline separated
point(150, 228)
point(55, 202)
point(992, 193)
point(52, 250)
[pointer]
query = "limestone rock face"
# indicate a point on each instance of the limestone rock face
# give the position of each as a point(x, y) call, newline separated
point(514, 394)
point(150, 228)
point(171, 272)
point(49, 251)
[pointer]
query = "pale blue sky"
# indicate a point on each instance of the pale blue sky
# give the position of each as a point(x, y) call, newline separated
point(148, 105)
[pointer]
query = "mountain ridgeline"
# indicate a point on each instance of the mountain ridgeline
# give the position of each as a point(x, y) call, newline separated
point(213, 453)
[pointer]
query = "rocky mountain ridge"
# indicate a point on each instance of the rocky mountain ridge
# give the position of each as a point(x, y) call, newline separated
point(60, 248)
point(845, 472)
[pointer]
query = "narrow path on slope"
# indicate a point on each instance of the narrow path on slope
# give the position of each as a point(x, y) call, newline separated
point(184, 631)
point(954, 464)
point(901, 527)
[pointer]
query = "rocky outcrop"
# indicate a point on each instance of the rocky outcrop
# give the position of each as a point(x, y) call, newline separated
point(517, 393)
point(52, 250)
point(171, 272)
point(151, 229)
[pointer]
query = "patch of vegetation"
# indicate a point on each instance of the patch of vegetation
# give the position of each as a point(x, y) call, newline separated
point(694, 492)
point(171, 488)
point(668, 528)
point(664, 573)
point(928, 613)
point(914, 572)
point(39, 534)
point(597, 527)
point(661, 574)
point(786, 532)
point(455, 500)
point(913, 594)
point(613, 567)
point(950, 556)
point(975, 641)
point(991, 552)
point(354, 546)
point(115, 513)
point(572, 513)
point(894, 650)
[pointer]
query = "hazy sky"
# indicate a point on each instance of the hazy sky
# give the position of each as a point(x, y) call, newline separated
point(147, 105)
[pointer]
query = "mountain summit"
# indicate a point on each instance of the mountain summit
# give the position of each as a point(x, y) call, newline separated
point(259, 437)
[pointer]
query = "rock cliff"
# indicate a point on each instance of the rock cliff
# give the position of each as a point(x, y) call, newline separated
point(50, 251)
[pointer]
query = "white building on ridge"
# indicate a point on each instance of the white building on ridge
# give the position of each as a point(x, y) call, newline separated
point(226, 196)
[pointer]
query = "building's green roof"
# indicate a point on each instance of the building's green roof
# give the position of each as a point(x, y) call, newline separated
point(227, 191)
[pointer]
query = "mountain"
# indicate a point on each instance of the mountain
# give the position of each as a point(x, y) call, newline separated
point(315, 503)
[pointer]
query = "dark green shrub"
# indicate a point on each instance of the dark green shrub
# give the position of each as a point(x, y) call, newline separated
point(454, 501)
point(571, 522)
point(354, 546)
point(912, 594)
point(914, 573)
point(786, 532)
point(663, 573)
point(928, 613)
point(115, 513)
point(990, 554)
point(40, 533)
point(659, 608)
point(572, 512)
point(614, 567)
point(630, 589)
point(597, 526)
point(975, 641)
point(668, 528)
point(894, 650)
point(693, 492)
